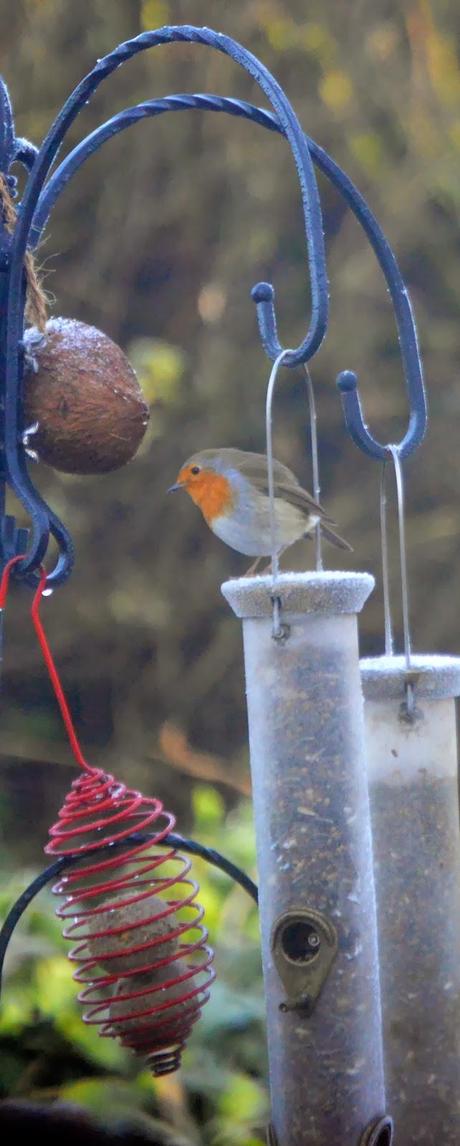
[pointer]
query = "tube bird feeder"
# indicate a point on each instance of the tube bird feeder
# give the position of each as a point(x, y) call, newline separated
point(311, 810)
point(413, 789)
point(307, 738)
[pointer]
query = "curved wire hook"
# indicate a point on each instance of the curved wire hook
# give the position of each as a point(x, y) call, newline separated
point(280, 631)
point(395, 454)
point(279, 361)
point(347, 383)
point(405, 321)
point(408, 708)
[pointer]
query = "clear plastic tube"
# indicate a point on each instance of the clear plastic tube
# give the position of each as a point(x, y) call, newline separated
point(314, 849)
point(413, 788)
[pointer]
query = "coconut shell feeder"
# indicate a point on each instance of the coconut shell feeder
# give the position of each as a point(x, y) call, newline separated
point(83, 397)
point(354, 766)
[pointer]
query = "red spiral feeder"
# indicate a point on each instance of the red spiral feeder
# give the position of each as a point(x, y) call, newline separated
point(129, 903)
point(141, 945)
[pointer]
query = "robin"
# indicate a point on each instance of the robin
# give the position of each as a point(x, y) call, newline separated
point(231, 489)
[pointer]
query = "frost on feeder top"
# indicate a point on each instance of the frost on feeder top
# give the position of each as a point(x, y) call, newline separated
point(327, 593)
point(434, 676)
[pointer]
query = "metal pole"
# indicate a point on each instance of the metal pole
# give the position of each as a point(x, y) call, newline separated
point(3, 304)
point(314, 856)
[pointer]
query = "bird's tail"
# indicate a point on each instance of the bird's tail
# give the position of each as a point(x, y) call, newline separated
point(335, 538)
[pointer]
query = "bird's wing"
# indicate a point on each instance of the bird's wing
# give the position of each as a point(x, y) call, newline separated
point(254, 467)
point(295, 495)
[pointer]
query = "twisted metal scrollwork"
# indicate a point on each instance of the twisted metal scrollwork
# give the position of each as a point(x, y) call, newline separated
point(41, 194)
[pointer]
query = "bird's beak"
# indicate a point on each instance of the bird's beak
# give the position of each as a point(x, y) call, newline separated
point(176, 486)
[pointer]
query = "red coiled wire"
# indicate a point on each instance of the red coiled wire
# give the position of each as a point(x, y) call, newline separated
point(141, 947)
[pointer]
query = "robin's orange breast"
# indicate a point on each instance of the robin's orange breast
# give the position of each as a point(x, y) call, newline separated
point(213, 494)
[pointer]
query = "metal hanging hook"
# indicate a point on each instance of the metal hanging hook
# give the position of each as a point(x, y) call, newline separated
point(347, 383)
point(314, 463)
point(395, 454)
point(280, 631)
point(389, 644)
point(394, 451)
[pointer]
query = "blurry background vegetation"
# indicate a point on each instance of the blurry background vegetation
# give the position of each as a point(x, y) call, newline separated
point(157, 241)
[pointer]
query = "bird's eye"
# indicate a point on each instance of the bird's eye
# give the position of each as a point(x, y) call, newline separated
point(195, 470)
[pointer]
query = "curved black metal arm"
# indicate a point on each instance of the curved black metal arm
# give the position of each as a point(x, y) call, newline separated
point(12, 149)
point(290, 126)
point(7, 135)
point(42, 519)
point(12, 456)
point(25, 153)
point(192, 846)
point(40, 196)
point(405, 321)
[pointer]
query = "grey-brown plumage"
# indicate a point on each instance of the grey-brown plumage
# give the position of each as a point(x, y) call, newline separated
point(242, 519)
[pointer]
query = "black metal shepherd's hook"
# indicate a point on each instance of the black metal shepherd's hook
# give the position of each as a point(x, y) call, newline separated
point(396, 287)
point(42, 192)
point(15, 247)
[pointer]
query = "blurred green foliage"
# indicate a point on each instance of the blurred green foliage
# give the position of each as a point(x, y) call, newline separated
point(157, 240)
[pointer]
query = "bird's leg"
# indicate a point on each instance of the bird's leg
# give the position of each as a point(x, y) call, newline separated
point(269, 567)
point(252, 568)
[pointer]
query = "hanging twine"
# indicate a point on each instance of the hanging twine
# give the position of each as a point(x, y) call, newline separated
point(36, 310)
